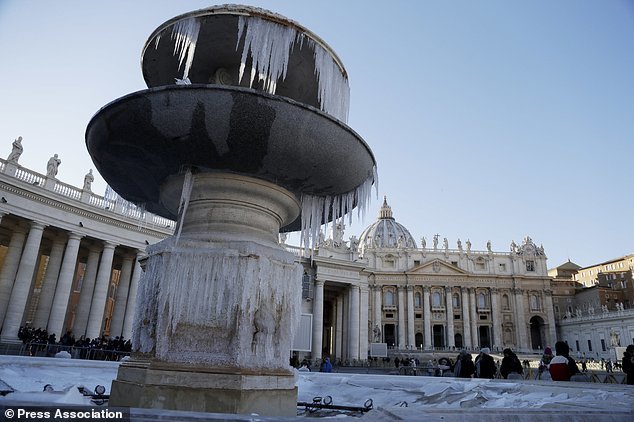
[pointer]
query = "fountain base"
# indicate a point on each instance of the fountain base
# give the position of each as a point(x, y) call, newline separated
point(172, 386)
point(217, 304)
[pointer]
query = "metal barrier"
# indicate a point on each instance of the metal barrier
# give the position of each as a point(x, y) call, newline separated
point(50, 350)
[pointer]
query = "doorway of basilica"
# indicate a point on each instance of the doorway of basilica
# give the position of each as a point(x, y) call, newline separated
point(537, 332)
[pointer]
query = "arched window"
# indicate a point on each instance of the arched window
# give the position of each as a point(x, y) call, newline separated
point(435, 300)
point(389, 298)
point(418, 301)
point(456, 300)
point(505, 302)
point(482, 300)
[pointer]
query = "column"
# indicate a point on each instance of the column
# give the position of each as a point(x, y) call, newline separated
point(10, 268)
point(121, 298)
point(318, 320)
point(95, 318)
point(339, 329)
point(401, 318)
point(64, 286)
point(474, 319)
point(451, 341)
point(364, 306)
point(22, 285)
point(49, 283)
point(353, 334)
point(550, 314)
point(130, 309)
point(87, 289)
point(427, 319)
point(378, 311)
point(495, 318)
point(520, 318)
point(466, 328)
point(411, 342)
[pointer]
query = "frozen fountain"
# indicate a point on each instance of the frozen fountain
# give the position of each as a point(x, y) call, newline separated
point(240, 135)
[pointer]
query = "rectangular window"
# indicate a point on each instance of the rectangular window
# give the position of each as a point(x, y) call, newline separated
point(530, 265)
point(483, 317)
point(603, 344)
point(454, 263)
point(502, 267)
point(577, 344)
point(589, 345)
point(416, 263)
point(389, 315)
point(479, 265)
point(419, 315)
point(456, 316)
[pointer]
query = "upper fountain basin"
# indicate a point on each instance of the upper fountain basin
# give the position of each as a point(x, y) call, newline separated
point(248, 47)
point(139, 140)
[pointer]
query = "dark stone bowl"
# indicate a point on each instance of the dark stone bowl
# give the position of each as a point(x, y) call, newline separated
point(139, 140)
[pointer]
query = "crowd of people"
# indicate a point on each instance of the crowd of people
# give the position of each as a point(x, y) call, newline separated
point(40, 342)
point(558, 367)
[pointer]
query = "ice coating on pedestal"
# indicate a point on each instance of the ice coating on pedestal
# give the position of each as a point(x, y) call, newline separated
point(224, 304)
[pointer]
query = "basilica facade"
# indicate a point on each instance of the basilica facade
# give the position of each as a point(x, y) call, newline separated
point(383, 288)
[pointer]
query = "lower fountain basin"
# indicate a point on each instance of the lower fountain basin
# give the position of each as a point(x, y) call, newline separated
point(139, 140)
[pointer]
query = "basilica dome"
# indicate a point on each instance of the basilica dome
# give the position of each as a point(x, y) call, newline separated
point(385, 232)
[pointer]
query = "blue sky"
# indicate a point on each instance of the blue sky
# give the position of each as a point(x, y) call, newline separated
point(489, 120)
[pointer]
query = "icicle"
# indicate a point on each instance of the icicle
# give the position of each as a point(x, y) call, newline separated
point(270, 45)
point(315, 209)
point(185, 32)
point(334, 92)
point(184, 202)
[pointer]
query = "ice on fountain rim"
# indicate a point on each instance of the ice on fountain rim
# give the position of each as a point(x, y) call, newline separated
point(269, 45)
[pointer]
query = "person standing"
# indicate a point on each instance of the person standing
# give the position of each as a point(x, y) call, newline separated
point(627, 365)
point(510, 363)
point(485, 366)
point(562, 366)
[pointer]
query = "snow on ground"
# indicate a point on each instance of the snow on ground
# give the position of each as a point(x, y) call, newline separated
point(29, 375)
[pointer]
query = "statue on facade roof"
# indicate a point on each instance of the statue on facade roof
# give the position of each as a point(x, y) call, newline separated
point(513, 247)
point(16, 151)
point(88, 179)
point(468, 242)
point(423, 242)
point(445, 244)
point(459, 245)
point(489, 245)
point(436, 242)
point(52, 166)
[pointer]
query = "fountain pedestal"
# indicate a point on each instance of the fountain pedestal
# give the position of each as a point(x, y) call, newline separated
point(216, 305)
point(159, 385)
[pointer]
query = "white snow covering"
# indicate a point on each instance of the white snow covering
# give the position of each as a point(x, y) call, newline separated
point(28, 376)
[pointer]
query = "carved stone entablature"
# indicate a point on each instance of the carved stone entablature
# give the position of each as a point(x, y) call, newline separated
point(517, 291)
point(548, 292)
point(494, 290)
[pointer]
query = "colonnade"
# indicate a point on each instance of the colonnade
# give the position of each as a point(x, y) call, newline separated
point(37, 282)
point(349, 316)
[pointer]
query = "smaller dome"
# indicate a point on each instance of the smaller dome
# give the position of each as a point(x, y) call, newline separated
point(386, 232)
